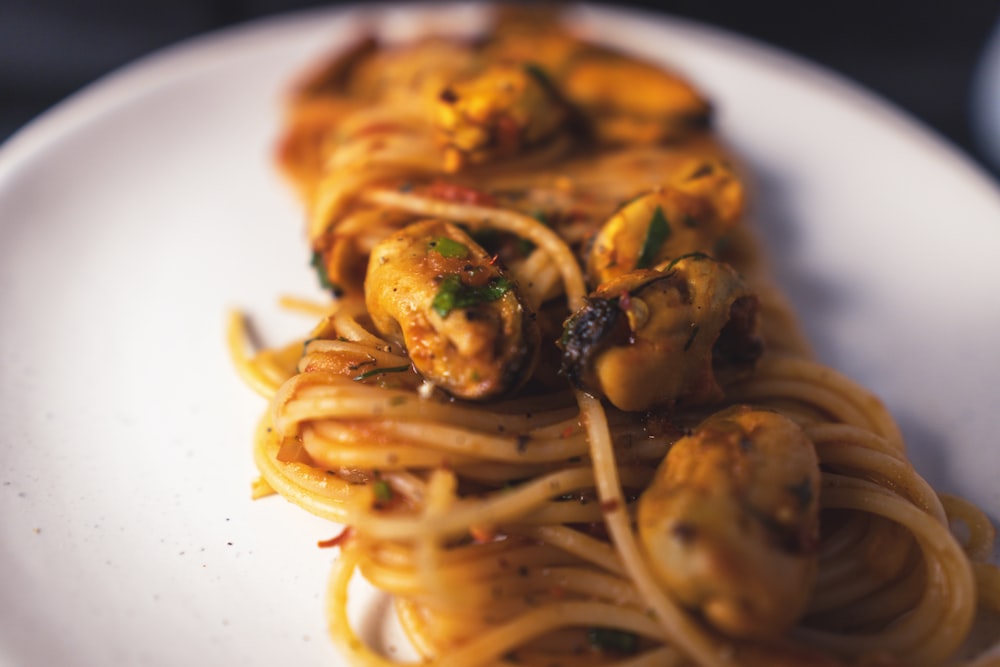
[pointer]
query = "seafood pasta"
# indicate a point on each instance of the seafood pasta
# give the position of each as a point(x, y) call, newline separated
point(556, 407)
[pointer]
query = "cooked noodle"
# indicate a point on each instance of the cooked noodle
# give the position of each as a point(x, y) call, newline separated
point(504, 525)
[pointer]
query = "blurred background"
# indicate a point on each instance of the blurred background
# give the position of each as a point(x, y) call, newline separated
point(922, 55)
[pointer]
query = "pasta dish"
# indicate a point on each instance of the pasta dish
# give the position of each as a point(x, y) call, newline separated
point(556, 406)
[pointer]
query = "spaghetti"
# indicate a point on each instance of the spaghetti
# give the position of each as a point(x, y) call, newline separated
point(557, 403)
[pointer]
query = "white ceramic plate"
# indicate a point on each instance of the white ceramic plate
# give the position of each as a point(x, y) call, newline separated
point(136, 214)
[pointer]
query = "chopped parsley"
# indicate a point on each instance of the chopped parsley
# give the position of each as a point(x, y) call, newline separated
point(609, 639)
point(380, 371)
point(537, 71)
point(656, 235)
point(690, 255)
point(446, 247)
point(316, 261)
point(453, 293)
point(305, 345)
point(383, 492)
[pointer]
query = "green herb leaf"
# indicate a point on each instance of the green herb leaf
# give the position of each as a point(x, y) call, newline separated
point(316, 261)
point(690, 255)
point(656, 234)
point(609, 639)
point(382, 490)
point(537, 71)
point(447, 247)
point(380, 371)
point(453, 293)
point(305, 345)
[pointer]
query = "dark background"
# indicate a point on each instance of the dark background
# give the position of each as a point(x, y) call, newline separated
point(919, 54)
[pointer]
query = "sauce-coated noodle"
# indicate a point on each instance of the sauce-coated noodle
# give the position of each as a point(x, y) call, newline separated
point(561, 410)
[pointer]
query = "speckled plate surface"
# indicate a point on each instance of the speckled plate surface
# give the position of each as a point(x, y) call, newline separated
point(137, 213)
